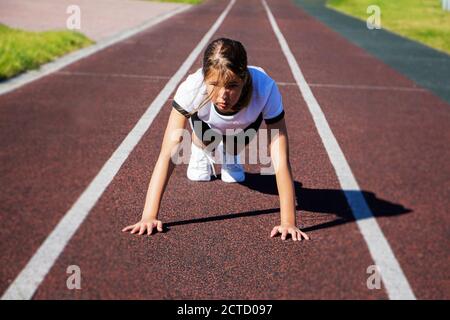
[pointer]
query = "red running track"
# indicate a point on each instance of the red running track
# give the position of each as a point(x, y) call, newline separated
point(59, 131)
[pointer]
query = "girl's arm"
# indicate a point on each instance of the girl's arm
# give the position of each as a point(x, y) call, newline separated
point(161, 174)
point(279, 152)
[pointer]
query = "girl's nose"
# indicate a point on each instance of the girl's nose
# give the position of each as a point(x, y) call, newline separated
point(223, 93)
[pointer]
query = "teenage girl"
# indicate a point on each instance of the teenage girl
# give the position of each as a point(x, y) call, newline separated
point(225, 94)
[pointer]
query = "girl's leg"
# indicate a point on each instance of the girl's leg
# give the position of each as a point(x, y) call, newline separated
point(203, 130)
point(233, 146)
point(199, 143)
point(201, 164)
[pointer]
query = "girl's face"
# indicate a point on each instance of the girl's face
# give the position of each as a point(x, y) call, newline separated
point(224, 95)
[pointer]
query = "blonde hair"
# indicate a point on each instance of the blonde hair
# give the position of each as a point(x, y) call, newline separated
point(228, 58)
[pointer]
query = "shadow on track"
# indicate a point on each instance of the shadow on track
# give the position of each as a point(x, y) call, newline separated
point(329, 201)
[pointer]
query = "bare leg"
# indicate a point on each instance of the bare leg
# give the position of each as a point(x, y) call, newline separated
point(198, 142)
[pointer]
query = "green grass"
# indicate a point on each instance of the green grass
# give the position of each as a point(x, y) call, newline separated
point(420, 20)
point(23, 50)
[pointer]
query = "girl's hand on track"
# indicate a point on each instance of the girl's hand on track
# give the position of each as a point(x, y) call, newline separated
point(295, 232)
point(143, 226)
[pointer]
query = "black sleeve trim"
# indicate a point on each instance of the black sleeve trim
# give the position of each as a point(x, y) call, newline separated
point(276, 119)
point(180, 109)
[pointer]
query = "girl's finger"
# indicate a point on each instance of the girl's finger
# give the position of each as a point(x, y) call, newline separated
point(293, 235)
point(284, 234)
point(142, 229)
point(305, 236)
point(149, 228)
point(128, 228)
point(302, 234)
point(160, 226)
point(274, 232)
point(135, 229)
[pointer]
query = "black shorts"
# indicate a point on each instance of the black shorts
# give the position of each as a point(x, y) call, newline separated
point(201, 128)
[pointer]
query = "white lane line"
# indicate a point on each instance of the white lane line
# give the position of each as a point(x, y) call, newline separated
point(357, 87)
point(395, 282)
point(64, 61)
point(29, 279)
point(115, 75)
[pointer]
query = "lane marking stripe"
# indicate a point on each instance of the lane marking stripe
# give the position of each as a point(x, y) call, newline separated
point(121, 75)
point(361, 87)
point(29, 279)
point(396, 284)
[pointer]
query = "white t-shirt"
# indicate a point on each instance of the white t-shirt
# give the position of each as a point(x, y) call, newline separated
point(266, 100)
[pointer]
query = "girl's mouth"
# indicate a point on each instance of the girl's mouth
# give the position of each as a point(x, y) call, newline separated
point(222, 105)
